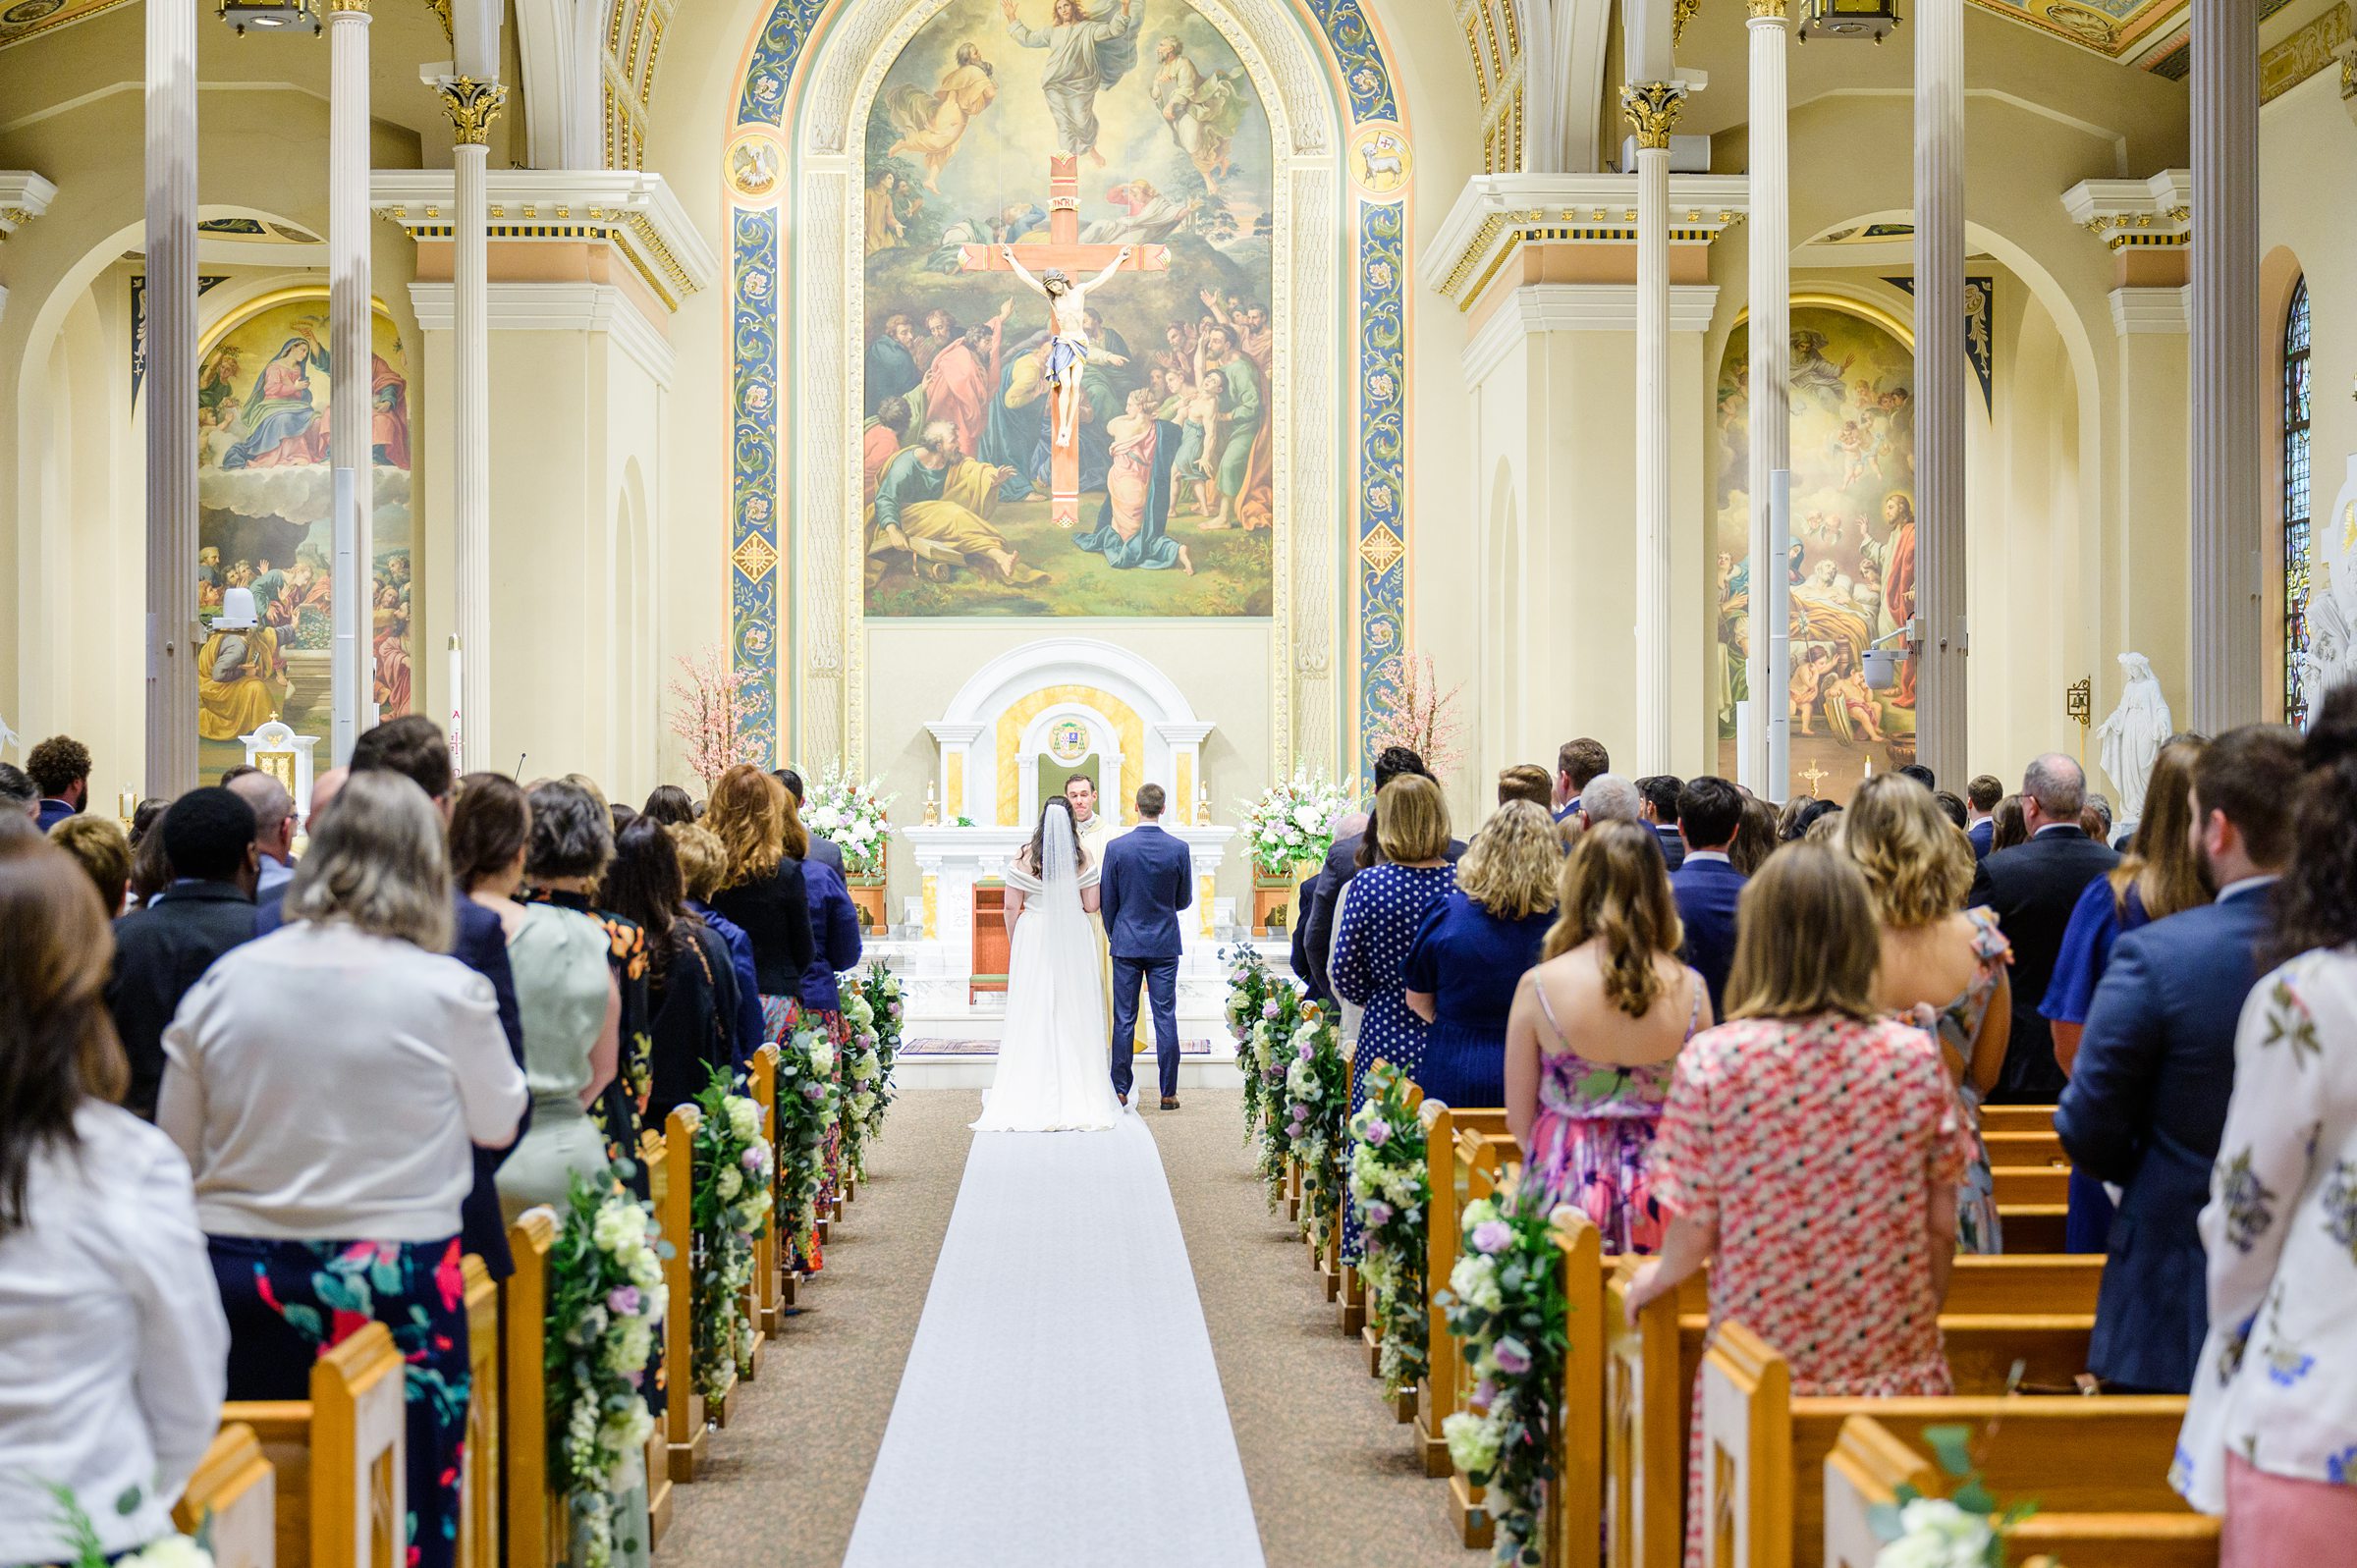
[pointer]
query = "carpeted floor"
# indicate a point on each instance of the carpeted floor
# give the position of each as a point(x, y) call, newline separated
point(1332, 1479)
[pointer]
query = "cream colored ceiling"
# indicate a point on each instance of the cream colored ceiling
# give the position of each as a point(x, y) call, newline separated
point(22, 19)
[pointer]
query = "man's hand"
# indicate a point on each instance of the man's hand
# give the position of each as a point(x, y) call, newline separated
point(1102, 357)
point(1004, 473)
point(1006, 9)
point(894, 537)
point(1126, 250)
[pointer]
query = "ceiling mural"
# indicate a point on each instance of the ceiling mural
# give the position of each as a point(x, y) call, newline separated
point(2151, 33)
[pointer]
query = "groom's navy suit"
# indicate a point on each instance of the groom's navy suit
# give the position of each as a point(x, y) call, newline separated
point(1147, 878)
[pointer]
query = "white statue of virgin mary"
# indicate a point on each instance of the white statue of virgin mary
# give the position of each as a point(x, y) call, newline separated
point(2132, 737)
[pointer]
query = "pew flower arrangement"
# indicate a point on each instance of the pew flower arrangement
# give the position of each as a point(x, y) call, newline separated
point(851, 815)
point(165, 1552)
point(1390, 1185)
point(1317, 1100)
point(862, 1076)
point(1292, 823)
point(1249, 984)
point(1963, 1530)
point(729, 1209)
point(606, 1298)
point(807, 1109)
point(1506, 1301)
point(880, 989)
point(1275, 1052)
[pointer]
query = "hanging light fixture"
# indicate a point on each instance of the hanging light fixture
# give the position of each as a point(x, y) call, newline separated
point(1848, 19)
point(270, 15)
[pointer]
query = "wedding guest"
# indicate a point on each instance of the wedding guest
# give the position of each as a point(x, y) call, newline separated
point(830, 910)
point(572, 839)
point(1801, 814)
point(2268, 1435)
point(669, 805)
point(1825, 827)
point(702, 863)
point(2095, 819)
point(1526, 781)
point(2008, 827)
point(566, 997)
point(1471, 947)
point(1349, 855)
point(823, 851)
point(1660, 792)
point(1608, 797)
point(19, 795)
point(1980, 798)
point(1594, 1032)
point(1706, 884)
point(1811, 1114)
point(60, 768)
point(330, 1141)
point(273, 832)
point(162, 949)
point(1942, 966)
point(763, 889)
point(692, 987)
point(2159, 876)
point(2147, 1099)
point(111, 1334)
point(1952, 808)
point(1755, 839)
point(97, 846)
point(1576, 763)
point(1358, 825)
point(151, 866)
point(1382, 908)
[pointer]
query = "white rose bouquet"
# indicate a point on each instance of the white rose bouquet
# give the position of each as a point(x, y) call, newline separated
point(606, 1300)
point(851, 815)
point(1293, 823)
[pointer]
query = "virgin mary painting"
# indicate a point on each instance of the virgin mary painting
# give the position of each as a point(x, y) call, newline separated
point(277, 427)
point(1132, 525)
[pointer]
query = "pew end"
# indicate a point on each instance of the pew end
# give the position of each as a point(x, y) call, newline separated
point(536, 1519)
point(232, 1499)
point(479, 1483)
point(769, 1314)
point(1437, 1395)
point(1645, 1466)
point(339, 1493)
point(671, 1182)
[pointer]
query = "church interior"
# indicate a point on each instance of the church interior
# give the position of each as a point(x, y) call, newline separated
point(967, 404)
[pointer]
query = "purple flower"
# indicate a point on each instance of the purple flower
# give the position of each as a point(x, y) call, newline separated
point(1305, 1051)
point(1379, 1213)
point(1485, 1393)
point(636, 1376)
point(1379, 1132)
point(622, 1301)
point(1493, 1236)
point(1268, 1009)
point(814, 1090)
point(1512, 1357)
point(750, 1160)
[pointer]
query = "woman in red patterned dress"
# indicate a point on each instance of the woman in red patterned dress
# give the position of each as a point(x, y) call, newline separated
point(1811, 1150)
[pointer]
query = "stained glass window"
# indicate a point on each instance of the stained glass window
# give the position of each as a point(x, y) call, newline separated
point(2295, 506)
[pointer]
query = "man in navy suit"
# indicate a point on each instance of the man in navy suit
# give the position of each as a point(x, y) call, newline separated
point(2034, 886)
point(1980, 802)
point(1148, 877)
point(412, 746)
point(1706, 884)
point(61, 767)
point(2147, 1100)
point(1577, 765)
point(1662, 792)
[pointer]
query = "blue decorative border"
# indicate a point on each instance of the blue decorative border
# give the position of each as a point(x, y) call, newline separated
point(757, 262)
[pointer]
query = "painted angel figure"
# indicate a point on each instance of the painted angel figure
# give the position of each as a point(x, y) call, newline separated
point(2132, 737)
point(1068, 347)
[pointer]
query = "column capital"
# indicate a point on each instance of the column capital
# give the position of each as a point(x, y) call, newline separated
point(471, 106)
point(345, 8)
point(1652, 108)
point(1776, 11)
point(24, 196)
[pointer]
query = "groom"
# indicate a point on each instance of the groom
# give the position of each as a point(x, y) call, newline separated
point(1146, 879)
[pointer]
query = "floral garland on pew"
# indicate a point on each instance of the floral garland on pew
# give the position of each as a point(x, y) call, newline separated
point(807, 1099)
point(1506, 1301)
point(1274, 1053)
point(864, 1090)
point(1249, 983)
point(606, 1298)
point(880, 987)
point(1317, 1098)
point(1390, 1185)
point(729, 1209)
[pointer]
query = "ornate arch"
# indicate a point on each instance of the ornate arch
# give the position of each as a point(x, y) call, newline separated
point(794, 607)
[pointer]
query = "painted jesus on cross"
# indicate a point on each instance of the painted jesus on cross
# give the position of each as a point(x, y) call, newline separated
point(1068, 348)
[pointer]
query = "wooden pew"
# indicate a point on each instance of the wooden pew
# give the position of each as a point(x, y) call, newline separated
point(1436, 1395)
point(2017, 1118)
point(2034, 1227)
point(536, 1524)
point(478, 1478)
point(1485, 1158)
point(1649, 1374)
point(2031, 1187)
point(339, 1499)
point(1763, 1498)
point(769, 1311)
point(669, 1165)
point(1340, 1280)
point(232, 1497)
point(2025, 1146)
point(2119, 1513)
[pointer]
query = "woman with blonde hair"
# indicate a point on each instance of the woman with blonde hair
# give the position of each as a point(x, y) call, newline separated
point(1811, 1115)
point(1944, 966)
point(1594, 1031)
point(1471, 949)
point(763, 891)
point(332, 1142)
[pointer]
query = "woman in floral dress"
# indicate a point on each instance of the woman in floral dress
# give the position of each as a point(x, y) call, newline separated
point(1595, 1033)
point(1810, 1150)
point(1942, 966)
point(1387, 903)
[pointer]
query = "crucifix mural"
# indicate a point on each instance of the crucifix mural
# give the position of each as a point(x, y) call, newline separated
point(1060, 261)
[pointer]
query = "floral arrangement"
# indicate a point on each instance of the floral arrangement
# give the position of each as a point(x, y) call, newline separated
point(166, 1551)
point(1505, 1302)
point(882, 989)
point(711, 714)
point(606, 1299)
point(1390, 1187)
point(807, 1109)
point(1317, 1097)
point(862, 1074)
point(729, 1210)
point(1963, 1530)
point(1293, 823)
point(1272, 1050)
point(849, 815)
point(1248, 987)
point(1412, 711)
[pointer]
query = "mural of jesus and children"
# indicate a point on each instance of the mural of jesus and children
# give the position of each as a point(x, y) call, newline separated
point(1168, 368)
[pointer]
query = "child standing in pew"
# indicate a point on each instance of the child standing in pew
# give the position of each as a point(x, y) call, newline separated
point(1812, 1147)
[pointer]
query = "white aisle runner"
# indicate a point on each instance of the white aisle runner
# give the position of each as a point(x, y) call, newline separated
point(1060, 1405)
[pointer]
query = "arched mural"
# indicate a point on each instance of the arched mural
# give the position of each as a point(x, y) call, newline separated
point(1851, 566)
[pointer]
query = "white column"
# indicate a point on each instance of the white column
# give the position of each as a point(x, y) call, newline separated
point(1939, 671)
point(1764, 768)
point(471, 105)
point(349, 327)
point(1652, 101)
point(2224, 662)
point(171, 245)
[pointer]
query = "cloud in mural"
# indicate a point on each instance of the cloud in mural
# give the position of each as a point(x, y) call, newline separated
point(300, 493)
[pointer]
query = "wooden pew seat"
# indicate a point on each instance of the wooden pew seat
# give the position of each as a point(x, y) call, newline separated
point(232, 1497)
point(1436, 1395)
point(340, 1493)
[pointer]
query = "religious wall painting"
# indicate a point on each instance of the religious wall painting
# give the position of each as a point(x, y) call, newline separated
point(265, 524)
point(1851, 564)
point(1172, 152)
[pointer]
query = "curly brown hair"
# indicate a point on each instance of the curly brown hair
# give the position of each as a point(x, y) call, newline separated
point(58, 764)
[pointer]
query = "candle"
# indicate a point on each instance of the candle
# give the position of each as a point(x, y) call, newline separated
point(130, 803)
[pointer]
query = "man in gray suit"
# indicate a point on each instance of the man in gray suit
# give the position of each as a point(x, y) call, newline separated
point(825, 851)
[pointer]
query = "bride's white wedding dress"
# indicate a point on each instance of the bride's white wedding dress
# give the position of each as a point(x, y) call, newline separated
point(1055, 1071)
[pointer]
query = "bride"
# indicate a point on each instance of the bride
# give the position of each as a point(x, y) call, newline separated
point(1055, 1070)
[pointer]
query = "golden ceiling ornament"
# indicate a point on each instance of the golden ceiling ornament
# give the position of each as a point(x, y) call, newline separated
point(1681, 11)
point(1652, 109)
point(471, 105)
